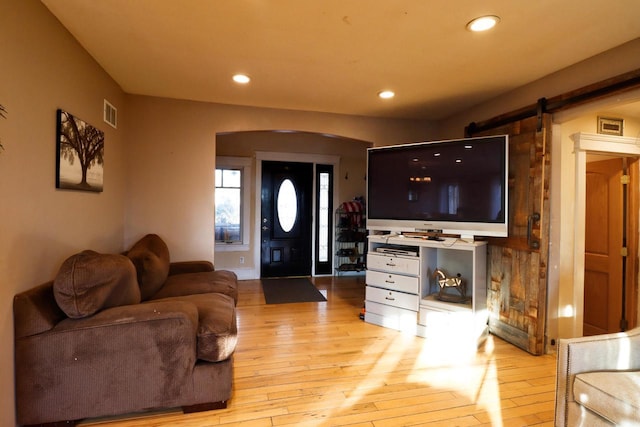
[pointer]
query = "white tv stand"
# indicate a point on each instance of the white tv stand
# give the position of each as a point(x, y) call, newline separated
point(402, 290)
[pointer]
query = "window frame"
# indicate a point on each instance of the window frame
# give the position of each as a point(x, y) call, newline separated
point(244, 165)
point(324, 267)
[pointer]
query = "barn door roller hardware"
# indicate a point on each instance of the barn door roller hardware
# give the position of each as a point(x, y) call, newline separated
point(540, 110)
point(593, 92)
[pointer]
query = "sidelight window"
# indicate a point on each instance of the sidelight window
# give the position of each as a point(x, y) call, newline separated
point(324, 218)
point(232, 203)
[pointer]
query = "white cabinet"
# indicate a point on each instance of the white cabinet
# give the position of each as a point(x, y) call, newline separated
point(403, 291)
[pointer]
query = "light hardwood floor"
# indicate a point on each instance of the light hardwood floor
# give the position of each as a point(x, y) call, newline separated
point(318, 364)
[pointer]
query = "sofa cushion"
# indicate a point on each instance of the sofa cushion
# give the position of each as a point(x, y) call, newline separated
point(88, 282)
point(217, 332)
point(612, 395)
point(219, 281)
point(150, 255)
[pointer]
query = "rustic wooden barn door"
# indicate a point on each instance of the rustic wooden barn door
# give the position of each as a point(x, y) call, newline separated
point(517, 265)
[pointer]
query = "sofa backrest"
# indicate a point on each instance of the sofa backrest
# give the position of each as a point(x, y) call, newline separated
point(150, 256)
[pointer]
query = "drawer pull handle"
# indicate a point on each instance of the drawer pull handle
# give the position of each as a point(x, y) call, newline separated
point(389, 298)
point(389, 281)
point(390, 264)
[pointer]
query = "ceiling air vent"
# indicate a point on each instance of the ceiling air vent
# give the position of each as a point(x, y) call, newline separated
point(110, 114)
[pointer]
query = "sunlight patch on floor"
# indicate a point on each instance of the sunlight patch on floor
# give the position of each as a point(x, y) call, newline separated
point(391, 357)
point(463, 368)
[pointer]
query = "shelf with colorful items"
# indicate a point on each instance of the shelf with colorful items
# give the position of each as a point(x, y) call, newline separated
point(351, 237)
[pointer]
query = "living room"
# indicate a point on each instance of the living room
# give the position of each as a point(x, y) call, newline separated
point(161, 157)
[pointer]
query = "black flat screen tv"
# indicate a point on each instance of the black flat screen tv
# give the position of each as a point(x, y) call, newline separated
point(457, 187)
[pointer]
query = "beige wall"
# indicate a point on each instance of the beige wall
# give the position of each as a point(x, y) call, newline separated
point(43, 69)
point(172, 160)
point(158, 164)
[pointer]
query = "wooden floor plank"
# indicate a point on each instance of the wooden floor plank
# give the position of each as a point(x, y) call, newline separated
point(318, 364)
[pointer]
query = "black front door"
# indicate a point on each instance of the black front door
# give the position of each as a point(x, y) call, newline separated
point(286, 200)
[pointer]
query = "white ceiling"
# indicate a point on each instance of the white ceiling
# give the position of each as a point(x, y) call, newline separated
point(335, 55)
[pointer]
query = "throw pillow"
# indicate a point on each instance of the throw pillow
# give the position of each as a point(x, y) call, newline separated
point(88, 282)
point(150, 255)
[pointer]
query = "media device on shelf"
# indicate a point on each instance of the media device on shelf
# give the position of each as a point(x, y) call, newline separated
point(457, 187)
point(398, 250)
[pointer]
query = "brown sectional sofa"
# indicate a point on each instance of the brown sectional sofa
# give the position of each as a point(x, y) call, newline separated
point(116, 334)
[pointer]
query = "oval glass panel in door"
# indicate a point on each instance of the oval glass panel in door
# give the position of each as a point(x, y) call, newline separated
point(287, 205)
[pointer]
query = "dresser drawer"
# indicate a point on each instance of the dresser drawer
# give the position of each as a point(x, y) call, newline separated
point(394, 282)
point(394, 264)
point(393, 298)
point(391, 317)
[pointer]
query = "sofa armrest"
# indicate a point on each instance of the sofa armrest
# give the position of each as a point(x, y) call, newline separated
point(98, 363)
point(146, 314)
point(36, 311)
point(609, 352)
point(183, 267)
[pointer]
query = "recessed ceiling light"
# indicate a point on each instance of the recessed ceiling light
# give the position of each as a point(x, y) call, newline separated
point(483, 23)
point(386, 94)
point(241, 78)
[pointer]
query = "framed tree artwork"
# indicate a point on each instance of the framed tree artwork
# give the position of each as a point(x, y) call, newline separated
point(80, 159)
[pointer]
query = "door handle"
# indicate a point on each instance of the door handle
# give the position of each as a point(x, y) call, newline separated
point(533, 243)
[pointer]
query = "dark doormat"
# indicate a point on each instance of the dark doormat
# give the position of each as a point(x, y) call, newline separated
point(287, 290)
